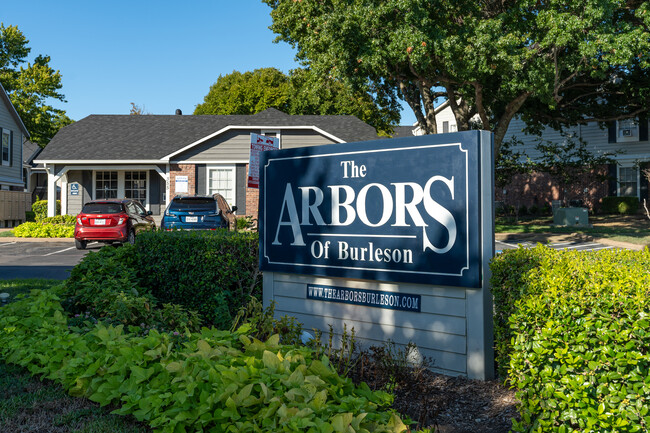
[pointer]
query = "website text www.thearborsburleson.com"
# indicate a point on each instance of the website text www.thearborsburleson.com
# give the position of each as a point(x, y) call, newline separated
point(370, 298)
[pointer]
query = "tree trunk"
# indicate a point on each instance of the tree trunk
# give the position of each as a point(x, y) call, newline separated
point(504, 121)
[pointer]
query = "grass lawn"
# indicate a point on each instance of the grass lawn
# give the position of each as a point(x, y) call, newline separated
point(6, 234)
point(28, 404)
point(633, 229)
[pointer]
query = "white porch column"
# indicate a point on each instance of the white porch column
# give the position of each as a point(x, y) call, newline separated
point(51, 191)
point(64, 194)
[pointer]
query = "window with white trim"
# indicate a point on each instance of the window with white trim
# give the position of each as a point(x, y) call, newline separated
point(135, 185)
point(628, 182)
point(221, 180)
point(6, 147)
point(105, 184)
point(627, 130)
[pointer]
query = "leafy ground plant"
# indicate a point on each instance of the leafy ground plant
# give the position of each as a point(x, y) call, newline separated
point(216, 380)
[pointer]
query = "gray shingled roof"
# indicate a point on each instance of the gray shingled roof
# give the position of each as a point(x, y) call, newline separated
point(151, 137)
point(403, 131)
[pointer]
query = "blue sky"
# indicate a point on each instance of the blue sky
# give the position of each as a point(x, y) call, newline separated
point(162, 55)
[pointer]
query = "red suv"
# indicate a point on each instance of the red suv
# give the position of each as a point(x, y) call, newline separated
point(111, 221)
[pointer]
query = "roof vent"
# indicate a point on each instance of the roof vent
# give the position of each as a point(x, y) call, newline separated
point(178, 112)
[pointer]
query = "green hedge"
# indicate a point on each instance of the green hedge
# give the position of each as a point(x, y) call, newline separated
point(43, 230)
point(213, 381)
point(211, 272)
point(509, 273)
point(620, 205)
point(580, 353)
point(105, 286)
point(39, 207)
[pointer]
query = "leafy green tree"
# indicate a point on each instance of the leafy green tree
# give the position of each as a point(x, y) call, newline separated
point(31, 86)
point(300, 92)
point(555, 62)
point(246, 93)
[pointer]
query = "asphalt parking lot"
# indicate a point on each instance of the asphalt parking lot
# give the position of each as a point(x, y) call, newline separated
point(47, 259)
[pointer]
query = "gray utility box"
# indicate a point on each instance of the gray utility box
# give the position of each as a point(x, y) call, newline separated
point(571, 216)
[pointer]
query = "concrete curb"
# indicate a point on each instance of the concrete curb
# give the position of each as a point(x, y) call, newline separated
point(48, 240)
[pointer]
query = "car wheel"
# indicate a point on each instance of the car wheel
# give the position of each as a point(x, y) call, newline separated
point(81, 245)
point(131, 238)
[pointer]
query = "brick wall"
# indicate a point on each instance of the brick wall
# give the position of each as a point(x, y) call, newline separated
point(188, 170)
point(540, 189)
point(252, 199)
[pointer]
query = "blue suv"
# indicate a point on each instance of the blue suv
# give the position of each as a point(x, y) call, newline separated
point(198, 213)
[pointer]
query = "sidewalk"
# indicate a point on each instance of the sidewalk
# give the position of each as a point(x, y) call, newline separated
point(548, 238)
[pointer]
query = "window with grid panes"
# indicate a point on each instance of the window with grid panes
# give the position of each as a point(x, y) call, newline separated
point(222, 180)
point(135, 185)
point(627, 178)
point(105, 184)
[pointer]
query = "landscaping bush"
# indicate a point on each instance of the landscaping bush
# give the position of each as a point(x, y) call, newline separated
point(211, 272)
point(620, 205)
point(214, 381)
point(39, 207)
point(40, 230)
point(30, 216)
point(580, 349)
point(105, 286)
point(509, 275)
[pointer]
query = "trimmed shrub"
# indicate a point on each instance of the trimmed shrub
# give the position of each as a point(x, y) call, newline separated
point(211, 272)
point(214, 381)
point(620, 205)
point(39, 207)
point(30, 216)
point(40, 230)
point(580, 343)
point(105, 286)
point(509, 272)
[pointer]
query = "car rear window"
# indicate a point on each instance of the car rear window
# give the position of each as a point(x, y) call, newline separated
point(194, 205)
point(100, 208)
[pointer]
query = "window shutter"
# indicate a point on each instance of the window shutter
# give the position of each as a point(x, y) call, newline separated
point(643, 128)
point(612, 180)
point(644, 181)
point(11, 147)
point(611, 137)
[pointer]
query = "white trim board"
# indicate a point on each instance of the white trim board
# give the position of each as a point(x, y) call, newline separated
point(266, 128)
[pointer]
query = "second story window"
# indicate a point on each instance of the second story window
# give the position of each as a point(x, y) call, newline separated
point(6, 147)
point(628, 130)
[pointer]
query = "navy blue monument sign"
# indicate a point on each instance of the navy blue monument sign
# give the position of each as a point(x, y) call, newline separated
point(399, 210)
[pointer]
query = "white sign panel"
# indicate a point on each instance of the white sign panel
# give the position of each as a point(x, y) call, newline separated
point(259, 143)
point(181, 184)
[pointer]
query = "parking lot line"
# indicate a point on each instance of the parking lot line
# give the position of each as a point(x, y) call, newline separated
point(582, 246)
point(7, 243)
point(60, 251)
point(602, 248)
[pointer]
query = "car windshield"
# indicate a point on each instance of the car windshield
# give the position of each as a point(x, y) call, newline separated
point(194, 205)
point(100, 208)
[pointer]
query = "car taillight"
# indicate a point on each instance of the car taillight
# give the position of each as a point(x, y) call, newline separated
point(121, 219)
point(82, 220)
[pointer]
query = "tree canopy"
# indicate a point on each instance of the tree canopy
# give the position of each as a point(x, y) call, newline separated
point(300, 92)
point(557, 62)
point(30, 86)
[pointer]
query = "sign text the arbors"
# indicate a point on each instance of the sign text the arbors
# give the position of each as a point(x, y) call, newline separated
point(346, 206)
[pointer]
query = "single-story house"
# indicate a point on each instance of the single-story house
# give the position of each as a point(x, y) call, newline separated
point(13, 201)
point(153, 157)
